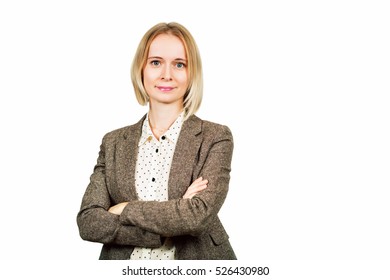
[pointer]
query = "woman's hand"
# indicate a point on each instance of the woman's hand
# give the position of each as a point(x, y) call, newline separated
point(117, 209)
point(196, 187)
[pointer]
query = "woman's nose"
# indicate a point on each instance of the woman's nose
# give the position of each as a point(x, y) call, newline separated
point(166, 73)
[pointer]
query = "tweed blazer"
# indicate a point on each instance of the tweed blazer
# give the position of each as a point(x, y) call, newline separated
point(203, 149)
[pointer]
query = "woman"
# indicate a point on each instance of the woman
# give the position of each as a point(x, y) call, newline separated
point(159, 184)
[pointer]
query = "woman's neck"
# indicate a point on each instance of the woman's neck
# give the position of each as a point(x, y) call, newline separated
point(162, 117)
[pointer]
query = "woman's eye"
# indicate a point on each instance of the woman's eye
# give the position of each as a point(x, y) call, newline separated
point(155, 62)
point(180, 65)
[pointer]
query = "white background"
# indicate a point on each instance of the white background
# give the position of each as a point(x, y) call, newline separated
point(303, 85)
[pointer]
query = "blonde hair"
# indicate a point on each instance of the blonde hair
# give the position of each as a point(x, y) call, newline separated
point(194, 92)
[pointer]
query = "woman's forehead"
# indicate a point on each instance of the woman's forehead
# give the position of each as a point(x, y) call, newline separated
point(167, 46)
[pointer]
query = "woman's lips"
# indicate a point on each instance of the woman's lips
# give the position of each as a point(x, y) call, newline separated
point(165, 89)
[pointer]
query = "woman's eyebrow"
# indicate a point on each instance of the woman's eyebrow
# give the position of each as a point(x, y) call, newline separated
point(155, 57)
point(159, 57)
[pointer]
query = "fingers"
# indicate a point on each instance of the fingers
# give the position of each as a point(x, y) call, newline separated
point(198, 182)
point(196, 187)
point(118, 208)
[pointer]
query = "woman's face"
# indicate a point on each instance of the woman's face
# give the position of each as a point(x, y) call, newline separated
point(165, 73)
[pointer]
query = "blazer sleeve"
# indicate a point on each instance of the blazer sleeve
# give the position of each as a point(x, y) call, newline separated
point(96, 224)
point(189, 216)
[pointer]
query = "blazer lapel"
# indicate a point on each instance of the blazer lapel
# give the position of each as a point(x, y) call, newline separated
point(126, 153)
point(185, 157)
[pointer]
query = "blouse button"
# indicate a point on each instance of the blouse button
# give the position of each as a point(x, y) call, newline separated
point(163, 138)
point(153, 179)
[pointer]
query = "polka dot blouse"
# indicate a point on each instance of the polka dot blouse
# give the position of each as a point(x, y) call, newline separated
point(151, 178)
